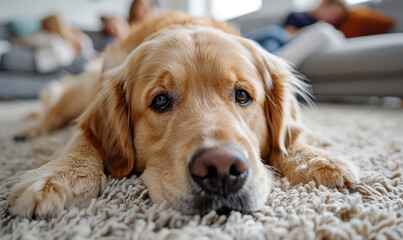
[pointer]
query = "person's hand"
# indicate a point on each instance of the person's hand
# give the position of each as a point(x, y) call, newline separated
point(291, 31)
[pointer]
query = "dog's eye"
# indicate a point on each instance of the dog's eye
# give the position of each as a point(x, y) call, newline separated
point(242, 97)
point(161, 103)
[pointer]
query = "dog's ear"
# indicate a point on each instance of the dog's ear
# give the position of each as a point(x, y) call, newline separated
point(107, 123)
point(281, 105)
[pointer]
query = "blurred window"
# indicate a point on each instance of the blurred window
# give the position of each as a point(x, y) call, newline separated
point(223, 9)
point(304, 5)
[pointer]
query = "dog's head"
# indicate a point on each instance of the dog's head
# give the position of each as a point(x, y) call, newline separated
point(196, 112)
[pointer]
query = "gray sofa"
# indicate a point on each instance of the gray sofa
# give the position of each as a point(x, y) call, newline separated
point(363, 66)
point(18, 78)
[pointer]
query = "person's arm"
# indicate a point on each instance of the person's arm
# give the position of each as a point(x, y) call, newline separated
point(291, 25)
point(296, 21)
point(291, 20)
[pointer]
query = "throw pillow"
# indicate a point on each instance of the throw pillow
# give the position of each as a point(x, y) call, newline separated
point(23, 27)
point(364, 21)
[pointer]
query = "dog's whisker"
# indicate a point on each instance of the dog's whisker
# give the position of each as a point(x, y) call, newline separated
point(274, 171)
point(275, 105)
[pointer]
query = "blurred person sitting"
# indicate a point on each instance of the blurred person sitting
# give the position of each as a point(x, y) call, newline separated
point(304, 33)
point(56, 44)
point(118, 27)
point(139, 10)
point(330, 11)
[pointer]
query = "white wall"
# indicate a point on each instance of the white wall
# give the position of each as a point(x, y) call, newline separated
point(182, 5)
point(304, 5)
point(276, 6)
point(219, 9)
point(226, 9)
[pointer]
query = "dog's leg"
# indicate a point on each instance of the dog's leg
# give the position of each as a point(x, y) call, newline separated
point(72, 100)
point(304, 163)
point(72, 179)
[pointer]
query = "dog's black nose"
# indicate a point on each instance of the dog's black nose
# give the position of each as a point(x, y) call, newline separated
point(219, 171)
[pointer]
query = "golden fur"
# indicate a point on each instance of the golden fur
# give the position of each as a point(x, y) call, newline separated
point(200, 63)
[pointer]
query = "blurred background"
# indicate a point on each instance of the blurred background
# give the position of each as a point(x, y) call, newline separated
point(358, 56)
point(86, 13)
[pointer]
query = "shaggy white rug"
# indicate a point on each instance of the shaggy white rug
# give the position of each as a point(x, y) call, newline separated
point(370, 137)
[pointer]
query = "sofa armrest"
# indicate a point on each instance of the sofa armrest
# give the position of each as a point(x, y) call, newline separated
point(18, 59)
point(4, 32)
point(252, 21)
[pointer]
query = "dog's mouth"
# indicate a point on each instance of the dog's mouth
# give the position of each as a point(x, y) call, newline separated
point(202, 203)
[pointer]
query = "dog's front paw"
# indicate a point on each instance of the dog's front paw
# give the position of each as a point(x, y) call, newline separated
point(39, 195)
point(331, 171)
point(305, 163)
point(46, 191)
point(29, 133)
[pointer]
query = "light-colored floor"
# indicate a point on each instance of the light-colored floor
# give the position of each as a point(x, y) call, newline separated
point(369, 136)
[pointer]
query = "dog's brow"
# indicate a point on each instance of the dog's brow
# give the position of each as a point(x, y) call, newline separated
point(161, 78)
point(243, 85)
point(156, 86)
point(240, 83)
point(142, 76)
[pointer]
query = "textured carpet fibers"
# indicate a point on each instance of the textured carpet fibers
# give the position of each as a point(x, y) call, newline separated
point(370, 137)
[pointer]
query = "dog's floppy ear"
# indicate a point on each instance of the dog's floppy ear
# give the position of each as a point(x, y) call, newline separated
point(108, 125)
point(281, 106)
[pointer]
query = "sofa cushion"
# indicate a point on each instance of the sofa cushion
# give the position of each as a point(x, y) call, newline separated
point(363, 55)
point(99, 39)
point(4, 32)
point(15, 85)
point(23, 27)
point(364, 21)
point(18, 59)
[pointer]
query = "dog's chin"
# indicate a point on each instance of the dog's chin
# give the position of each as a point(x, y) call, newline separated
point(201, 203)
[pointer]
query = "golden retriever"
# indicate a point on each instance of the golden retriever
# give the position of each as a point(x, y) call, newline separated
point(191, 106)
